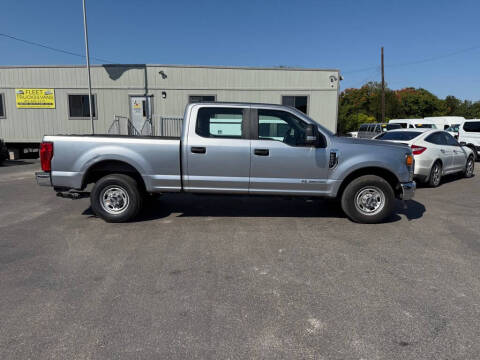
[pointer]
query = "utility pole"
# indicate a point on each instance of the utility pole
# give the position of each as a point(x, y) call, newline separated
point(383, 90)
point(88, 66)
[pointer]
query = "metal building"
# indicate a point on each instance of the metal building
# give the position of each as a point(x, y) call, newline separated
point(147, 99)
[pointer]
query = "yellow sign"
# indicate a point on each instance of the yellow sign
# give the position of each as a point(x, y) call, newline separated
point(35, 98)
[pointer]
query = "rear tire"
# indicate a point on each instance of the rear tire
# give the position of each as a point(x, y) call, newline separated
point(475, 155)
point(368, 199)
point(116, 198)
point(469, 167)
point(435, 175)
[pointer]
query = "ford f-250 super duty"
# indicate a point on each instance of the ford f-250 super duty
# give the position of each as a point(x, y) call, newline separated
point(232, 148)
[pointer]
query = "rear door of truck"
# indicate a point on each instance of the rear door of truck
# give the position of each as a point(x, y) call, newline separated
point(217, 149)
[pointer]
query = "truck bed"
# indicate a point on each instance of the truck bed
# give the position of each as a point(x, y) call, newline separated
point(155, 159)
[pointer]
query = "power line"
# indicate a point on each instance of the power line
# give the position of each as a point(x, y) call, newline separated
point(53, 48)
point(416, 61)
point(436, 57)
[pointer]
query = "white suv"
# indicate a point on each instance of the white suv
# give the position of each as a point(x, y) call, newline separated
point(469, 135)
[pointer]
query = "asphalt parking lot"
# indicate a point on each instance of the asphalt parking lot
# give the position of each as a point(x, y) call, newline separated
point(202, 277)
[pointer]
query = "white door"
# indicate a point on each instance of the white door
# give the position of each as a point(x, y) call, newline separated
point(459, 159)
point(441, 150)
point(140, 112)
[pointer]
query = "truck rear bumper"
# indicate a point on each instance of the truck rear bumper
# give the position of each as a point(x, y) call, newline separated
point(408, 190)
point(43, 178)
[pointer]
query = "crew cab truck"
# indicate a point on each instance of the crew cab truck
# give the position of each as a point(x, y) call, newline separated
point(232, 148)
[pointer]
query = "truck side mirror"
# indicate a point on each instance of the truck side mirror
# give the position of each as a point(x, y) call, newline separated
point(310, 135)
point(313, 137)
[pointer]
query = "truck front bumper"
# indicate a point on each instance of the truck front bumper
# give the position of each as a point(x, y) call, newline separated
point(408, 190)
point(43, 178)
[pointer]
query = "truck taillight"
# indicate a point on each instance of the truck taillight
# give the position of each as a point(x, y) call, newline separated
point(46, 155)
point(417, 150)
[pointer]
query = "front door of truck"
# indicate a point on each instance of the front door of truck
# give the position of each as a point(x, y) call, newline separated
point(217, 150)
point(281, 163)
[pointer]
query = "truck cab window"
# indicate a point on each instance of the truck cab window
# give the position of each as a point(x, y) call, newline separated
point(281, 126)
point(219, 122)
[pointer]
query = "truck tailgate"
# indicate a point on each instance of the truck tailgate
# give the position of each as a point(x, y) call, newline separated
point(157, 160)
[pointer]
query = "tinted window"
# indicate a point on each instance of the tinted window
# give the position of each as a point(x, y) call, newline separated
point(363, 128)
point(78, 106)
point(201, 98)
point(472, 126)
point(219, 122)
point(298, 102)
point(399, 135)
point(393, 126)
point(281, 126)
point(2, 106)
point(378, 129)
point(436, 138)
point(450, 139)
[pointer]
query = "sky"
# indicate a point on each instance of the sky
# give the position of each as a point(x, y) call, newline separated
point(432, 44)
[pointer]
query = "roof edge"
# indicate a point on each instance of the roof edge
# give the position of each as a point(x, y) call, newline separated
point(172, 66)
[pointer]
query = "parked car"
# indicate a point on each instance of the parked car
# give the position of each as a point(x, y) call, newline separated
point(232, 148)
point(368, 131)
point(3, 151)
point(469, 135)
point(436, 153)
point(414, 123)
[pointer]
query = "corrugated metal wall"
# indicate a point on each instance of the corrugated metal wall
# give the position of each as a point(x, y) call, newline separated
point(112, 85)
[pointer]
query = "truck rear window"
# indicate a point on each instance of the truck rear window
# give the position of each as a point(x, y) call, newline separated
point(219, 122)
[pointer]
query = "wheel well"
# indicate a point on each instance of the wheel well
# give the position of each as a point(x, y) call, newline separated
point(390, 177)
point(106, 167)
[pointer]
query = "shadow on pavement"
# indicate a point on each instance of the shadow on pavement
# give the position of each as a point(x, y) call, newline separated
point(188, 205)
point(7, 163)
point(412, 210)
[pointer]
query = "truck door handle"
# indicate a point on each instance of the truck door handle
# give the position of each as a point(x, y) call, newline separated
point(443, 151)
point(198, 149)
point(261, 152)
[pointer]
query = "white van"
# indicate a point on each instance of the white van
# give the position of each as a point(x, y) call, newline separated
point(444, 122)
point(469, 135)
point(414, 123)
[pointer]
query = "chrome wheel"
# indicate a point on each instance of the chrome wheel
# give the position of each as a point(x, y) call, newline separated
point(114, 199)
point(470, 167)
point(369, 200)
point(436, 174)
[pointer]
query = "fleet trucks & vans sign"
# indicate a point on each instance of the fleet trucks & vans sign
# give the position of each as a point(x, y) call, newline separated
point(35, 98)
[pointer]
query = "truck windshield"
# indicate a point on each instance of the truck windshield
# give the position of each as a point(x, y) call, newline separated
point(399, 135)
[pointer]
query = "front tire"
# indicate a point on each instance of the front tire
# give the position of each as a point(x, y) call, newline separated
point(116, 198)
point(435, 175)
point(368, 199)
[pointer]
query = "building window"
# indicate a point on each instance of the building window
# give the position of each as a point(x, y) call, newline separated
point(2, 106)
point(201, 98)
point(78, 106)
point(298, 102)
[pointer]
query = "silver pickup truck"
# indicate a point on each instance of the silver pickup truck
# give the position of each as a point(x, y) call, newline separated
point(232, 148)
